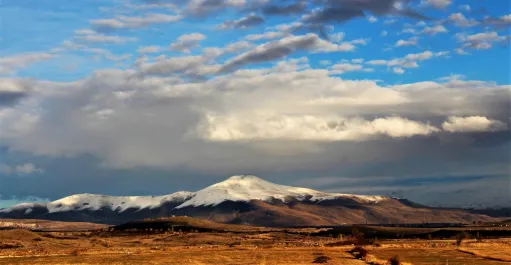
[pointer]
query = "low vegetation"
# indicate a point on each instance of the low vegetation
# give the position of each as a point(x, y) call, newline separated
point(492, 254)
point(189, 245)
point(460, 237)
point(359, 252)
point(321, 259)
point(394, 260)
point(10, 245)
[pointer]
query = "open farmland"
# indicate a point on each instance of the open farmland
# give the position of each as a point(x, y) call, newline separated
point(233, 244)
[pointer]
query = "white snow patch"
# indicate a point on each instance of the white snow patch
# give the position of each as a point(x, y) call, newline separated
point(247, 187)
point(95, 202)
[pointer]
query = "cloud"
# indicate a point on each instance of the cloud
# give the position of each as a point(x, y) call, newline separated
point(92, 36)
point(117, 118)
point(461, 21)
point(22, 169)
point(10, 64)
point(377, 62)
point(410, 42)
point(13, 200)
point(189, 66)
point(398, 70)
point(202, 8)
point(249, 21)
point(377, 7)
point(186, 42)
point(409, 61)
point(500, 22)
point(481, 41)
point(332, 11)
point(235, 47)
point(345, 67)
point(434, 30)
point(472, 124)
point(279, 49)
point(298, 7)
point(309, 128)
point(458, 190)
point(151, 4)
point(12, 90)
point(372, 19)
point(465, 7)
point(328, 15)
point(460, 51)
point(149, 49)
point(440, 4)
point(126, 22)
point(106, 54)
point(362, 42)
point(266, 36)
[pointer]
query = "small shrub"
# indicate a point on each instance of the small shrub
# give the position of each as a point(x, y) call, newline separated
point(359, 236)
point(321, 259)
point(359, 252)
point(375, 242)
point(479, 237)
point(75, 252)
point(41, 251)
point(10, 245)
point(460, 237)
point(37, 239)
point(394, 261)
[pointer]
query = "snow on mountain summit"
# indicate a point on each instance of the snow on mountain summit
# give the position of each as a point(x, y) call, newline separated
point(119, 203)
point(95, 202)
point(242, 188)
point(249, 187)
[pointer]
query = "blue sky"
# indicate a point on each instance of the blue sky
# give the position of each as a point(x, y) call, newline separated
point(150, 97)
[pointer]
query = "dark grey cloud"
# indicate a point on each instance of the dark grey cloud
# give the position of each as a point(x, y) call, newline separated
point(273, 51)
point(249, 21)
point(317, 11)
point(296, 8)
point(375, 7)
point(503, 22)
point(333, 14)
point(330, 12)
point(8, 98)
point(12, 90)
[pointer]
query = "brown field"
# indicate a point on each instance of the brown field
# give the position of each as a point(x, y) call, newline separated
point(225, 248)
point(45, 225)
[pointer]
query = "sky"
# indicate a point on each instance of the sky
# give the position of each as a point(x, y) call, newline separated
point(147, 97)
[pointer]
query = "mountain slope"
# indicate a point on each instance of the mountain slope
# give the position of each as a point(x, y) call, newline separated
point(98, 208)
point(243, 200)
point(247, 187)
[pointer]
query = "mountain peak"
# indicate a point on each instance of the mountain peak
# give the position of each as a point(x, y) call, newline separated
point(245, 188)
point(246, 179)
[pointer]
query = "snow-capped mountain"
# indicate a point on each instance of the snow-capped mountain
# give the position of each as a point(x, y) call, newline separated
point(94, 202)
point(245, 188)
point(243, 199)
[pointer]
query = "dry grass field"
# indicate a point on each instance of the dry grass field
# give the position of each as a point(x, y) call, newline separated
point(230, 248)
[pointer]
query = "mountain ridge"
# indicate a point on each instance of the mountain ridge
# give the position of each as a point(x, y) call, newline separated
point(245, 199)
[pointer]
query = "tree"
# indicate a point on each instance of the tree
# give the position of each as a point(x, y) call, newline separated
point(460, 237)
